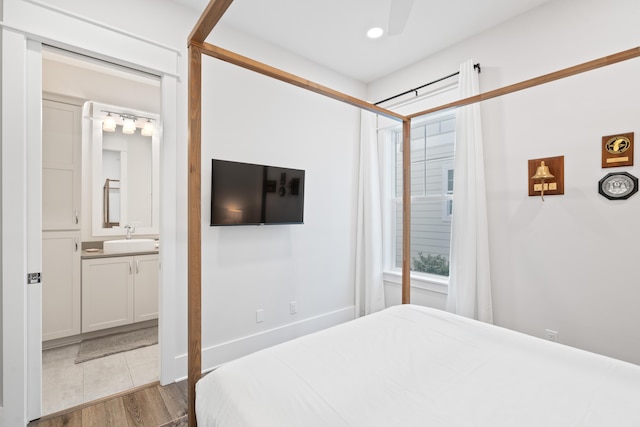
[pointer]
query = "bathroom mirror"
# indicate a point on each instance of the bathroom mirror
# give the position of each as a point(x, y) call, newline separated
point(125, 167)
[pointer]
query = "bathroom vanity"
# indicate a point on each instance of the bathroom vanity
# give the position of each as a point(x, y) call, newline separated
point(116, 283)
point(118, 289)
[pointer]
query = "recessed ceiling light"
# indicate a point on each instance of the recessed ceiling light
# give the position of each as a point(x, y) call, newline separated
point(375, 32)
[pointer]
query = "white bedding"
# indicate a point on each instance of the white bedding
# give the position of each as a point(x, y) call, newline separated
point(413, 366)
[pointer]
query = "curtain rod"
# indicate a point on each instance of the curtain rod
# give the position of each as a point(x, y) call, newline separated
point(475, 66)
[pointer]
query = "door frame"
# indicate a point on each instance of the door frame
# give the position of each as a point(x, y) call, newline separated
point(22, 188)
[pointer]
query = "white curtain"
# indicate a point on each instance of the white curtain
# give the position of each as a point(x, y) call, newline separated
point(369, 249)
point(469, 276)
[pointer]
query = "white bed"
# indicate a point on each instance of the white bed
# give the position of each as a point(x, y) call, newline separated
point(414, 366)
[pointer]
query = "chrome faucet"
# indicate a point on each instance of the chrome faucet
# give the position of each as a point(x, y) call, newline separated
point(130, 230)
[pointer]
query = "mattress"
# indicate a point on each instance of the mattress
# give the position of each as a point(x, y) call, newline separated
point(414, 366)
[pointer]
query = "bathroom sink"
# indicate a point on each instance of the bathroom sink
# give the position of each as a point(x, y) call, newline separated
point(132, 245)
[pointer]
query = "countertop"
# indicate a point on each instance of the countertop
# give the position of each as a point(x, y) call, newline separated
point(91, 254)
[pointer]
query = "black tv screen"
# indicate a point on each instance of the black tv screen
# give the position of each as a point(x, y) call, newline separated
point(250, 194)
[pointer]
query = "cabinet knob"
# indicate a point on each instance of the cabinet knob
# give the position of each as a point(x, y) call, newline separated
point(77, 219)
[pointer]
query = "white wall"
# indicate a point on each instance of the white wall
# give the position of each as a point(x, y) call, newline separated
point(1, 210)
point(569, 263)
point(251, 118)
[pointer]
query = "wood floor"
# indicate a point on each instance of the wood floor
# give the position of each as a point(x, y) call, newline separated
point(149, 406)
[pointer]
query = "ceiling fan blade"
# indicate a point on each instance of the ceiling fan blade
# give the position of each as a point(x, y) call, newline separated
point(398, 15)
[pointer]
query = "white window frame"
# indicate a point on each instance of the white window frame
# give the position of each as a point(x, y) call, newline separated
point(392, 273)
point(447, 203)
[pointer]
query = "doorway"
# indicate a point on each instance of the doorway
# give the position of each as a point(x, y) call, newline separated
point(72, 243)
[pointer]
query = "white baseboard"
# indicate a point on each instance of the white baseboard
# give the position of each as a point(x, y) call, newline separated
point(216, 355)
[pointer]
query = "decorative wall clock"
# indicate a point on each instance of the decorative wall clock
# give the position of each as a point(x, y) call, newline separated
point(617, 150)
point(618, 186)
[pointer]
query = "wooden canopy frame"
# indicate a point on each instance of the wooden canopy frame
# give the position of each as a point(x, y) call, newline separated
point(197, 47)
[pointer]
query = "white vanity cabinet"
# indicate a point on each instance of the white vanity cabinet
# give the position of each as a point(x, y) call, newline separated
point(61, 158)
point(118, 291)
point(60, 284)
point(145, 288)
point(61, 151)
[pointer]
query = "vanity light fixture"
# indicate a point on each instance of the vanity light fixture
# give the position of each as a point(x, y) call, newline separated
point(128, 122)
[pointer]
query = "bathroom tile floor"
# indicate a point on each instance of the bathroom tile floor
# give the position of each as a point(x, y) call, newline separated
point(65, 384)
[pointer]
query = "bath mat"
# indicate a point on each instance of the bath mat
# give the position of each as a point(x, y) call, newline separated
point(111, 344)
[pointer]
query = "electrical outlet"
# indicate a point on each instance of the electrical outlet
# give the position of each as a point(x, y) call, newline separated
point(259, 316)
point(551, 335)
point(293, 307)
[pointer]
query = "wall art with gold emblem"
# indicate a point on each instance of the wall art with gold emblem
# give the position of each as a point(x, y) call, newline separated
point(617, 150)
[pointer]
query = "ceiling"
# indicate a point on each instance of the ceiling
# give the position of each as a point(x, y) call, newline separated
point(333, 32)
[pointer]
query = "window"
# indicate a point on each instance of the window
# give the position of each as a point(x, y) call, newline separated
point(432, 174)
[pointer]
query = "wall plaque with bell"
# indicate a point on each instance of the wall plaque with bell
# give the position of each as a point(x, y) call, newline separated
point(546, 176)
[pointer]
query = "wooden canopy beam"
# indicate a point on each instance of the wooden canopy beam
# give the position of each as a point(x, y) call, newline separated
point(537, 81)
point(267, 70)
point(209, 18)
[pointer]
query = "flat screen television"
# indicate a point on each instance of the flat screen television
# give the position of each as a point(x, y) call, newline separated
point(250, 194)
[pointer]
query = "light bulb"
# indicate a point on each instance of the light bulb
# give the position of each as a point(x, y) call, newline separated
point(375, 32)
point(147, 130)
point(129, 126)
point(109, 123)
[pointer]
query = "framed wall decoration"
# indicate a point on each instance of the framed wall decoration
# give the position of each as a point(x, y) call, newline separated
point(618, 186)
point(617, 150)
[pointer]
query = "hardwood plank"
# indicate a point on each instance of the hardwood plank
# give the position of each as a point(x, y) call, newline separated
point(146, 408)
point(209, 18)
point(110, 413)
point(72, 419)
point(267, 70)
point(151, 406)
point(194, 227)
point(175, 399)
point(546, 78)
point(133, 411)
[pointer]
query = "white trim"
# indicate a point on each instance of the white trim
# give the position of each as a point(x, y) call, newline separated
point(424, 281)
point(216, 355)
point(34, 225)
point(101, 25)
point(14, 228)
point(48, 41)
point(168, 229)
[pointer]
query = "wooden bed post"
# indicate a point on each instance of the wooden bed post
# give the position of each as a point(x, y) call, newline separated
point(209, 18)
point(194, 304)
point(406, 211)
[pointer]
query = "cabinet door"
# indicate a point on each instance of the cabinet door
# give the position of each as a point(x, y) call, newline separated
point(61, 142)
point(146, 288)
point(60, 284)
point(107, 292)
